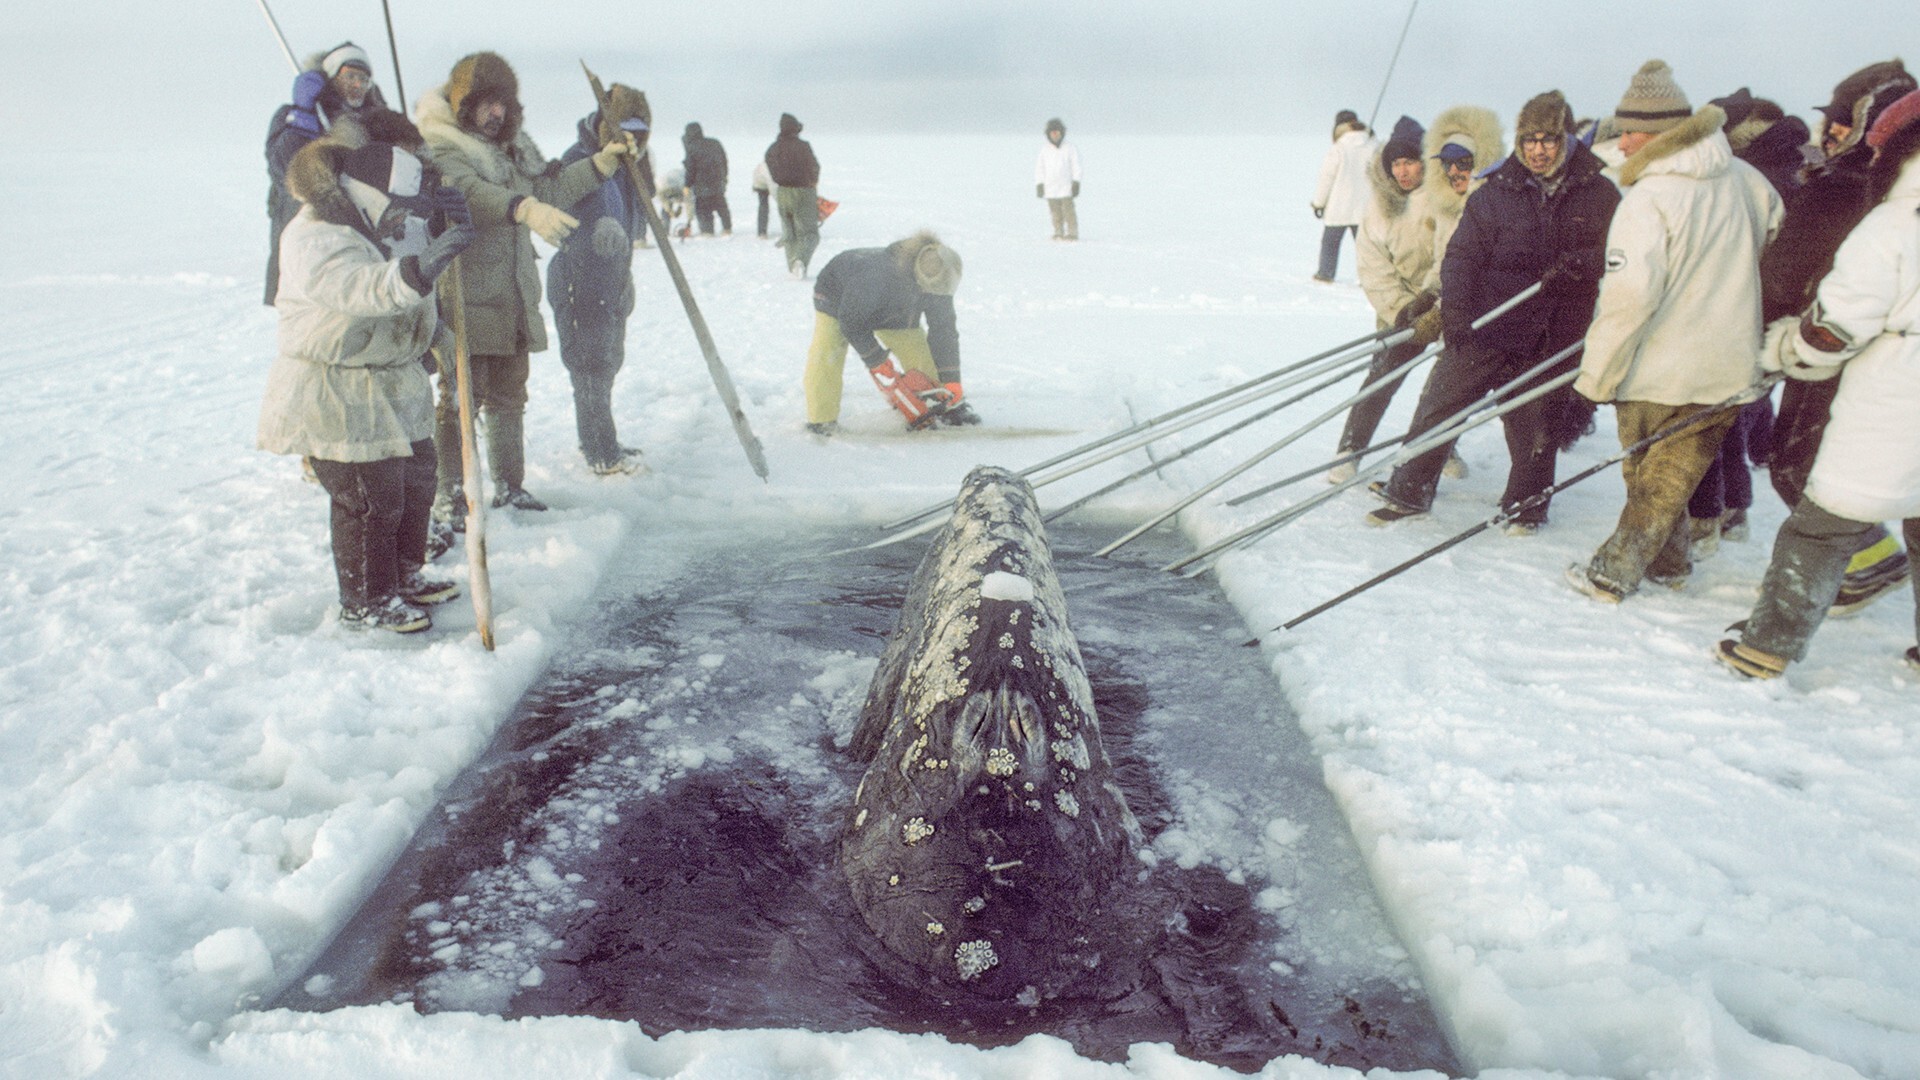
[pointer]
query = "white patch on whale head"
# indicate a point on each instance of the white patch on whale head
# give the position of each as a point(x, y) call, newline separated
point(916, 830)
point(1068, 805)
point(1001, 762)
point(1001, 585)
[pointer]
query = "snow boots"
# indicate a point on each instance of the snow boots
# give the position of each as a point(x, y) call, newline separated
point(392, 614)
point(1871, 574)
point(1748, 662)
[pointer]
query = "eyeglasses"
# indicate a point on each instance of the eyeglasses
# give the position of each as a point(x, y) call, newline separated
point(1542, 140)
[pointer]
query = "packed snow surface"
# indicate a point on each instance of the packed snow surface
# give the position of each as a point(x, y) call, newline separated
point(1604, 855)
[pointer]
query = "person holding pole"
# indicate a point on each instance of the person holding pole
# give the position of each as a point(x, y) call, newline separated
point(334, 84)
point(1540, 217)
point(1677, 326)
point(472, 126)
point(1864, 327)
point(590, 281)
point(349, 389)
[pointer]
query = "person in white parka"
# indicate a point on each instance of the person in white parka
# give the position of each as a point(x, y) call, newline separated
point(1056, 178)
point(1340, 200)
point(1864, 326)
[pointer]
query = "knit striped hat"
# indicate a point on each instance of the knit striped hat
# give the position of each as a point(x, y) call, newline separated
point(1653, 101)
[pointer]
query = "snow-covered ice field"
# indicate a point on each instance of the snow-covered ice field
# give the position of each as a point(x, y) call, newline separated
point(1604, 856)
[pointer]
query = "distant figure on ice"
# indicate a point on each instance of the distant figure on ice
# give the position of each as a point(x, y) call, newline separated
point(1865, 327)
point(796, 172)
point(1056, 178)
point(349, 389)
point(1343, 191)
point(763, 194)
point(1541, 217)
point(706, 165)
point(335, 84)
point(873, 299)
point(1677, 325)
point(472, 125)
point(675, 206)
point(590, 281)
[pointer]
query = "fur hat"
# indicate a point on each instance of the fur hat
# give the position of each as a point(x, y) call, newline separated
point(482, 77)
point(1883, 82)
point(1653, 102)
point(936, 267)
point(1404, 142)
point(345, 54)
point(624, 103)
point(1054, 125)
point(1545, 112)
point(317, 175)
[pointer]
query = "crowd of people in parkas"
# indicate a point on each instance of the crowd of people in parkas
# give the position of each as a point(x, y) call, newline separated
point(1684, 259)
point(368, 210)
point(1687, 259)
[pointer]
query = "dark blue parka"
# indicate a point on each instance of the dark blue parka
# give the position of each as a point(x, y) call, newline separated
point(582, 284)
point(870, 289)
point(1513, 230)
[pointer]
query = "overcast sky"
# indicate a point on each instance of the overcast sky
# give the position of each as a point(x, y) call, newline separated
point(1106, 66)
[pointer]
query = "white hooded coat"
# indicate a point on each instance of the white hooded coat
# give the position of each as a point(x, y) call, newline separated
point(1343, 190)
point(1868, 466)
point(1057, 169)
point(1678, 317)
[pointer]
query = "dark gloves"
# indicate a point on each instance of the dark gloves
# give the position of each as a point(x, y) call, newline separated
point(450, 210)
point(1575, 268)
point(1415, 308)
point(1076, 189)
point(423, 270)
point(1319, 211)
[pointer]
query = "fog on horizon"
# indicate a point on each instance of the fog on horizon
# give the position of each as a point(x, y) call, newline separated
point(859, 66)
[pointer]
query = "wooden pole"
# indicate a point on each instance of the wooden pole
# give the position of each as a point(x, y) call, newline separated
point(479, 584)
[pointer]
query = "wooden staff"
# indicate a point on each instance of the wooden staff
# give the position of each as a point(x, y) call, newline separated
point(479, 584)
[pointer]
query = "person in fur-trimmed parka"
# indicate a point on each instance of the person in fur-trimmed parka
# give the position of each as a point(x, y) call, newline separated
point(873, 299)
point(1461, 140)
point(331, 85)
point(1677, 326)
point(472, 126)
point(1540, 217)
point(1395, 256)
point(1864, 327)
point(1820, 214)
point(349, 390)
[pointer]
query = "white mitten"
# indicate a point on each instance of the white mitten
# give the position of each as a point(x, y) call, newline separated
point(553, 224)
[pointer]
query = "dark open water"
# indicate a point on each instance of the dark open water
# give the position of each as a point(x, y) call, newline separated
point(652, 836)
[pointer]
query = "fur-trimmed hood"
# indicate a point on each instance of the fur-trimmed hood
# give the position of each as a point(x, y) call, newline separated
point(313, 176)
point(1479, 125)
point(481, 77)
point(1387, 196)
point(495, 162)
point(1694, 148)
point(938, 272)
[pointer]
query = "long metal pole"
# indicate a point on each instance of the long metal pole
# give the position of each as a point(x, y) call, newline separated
point(1391, 64)
point(1374, 342)
point(393, 46)
point(1438, 436)
point(1274, 448)
point(1739, 400)
point(280, 37)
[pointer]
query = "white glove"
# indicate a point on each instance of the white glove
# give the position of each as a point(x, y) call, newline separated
point(554, 225)
point(607, 161)
point(1776, 345)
